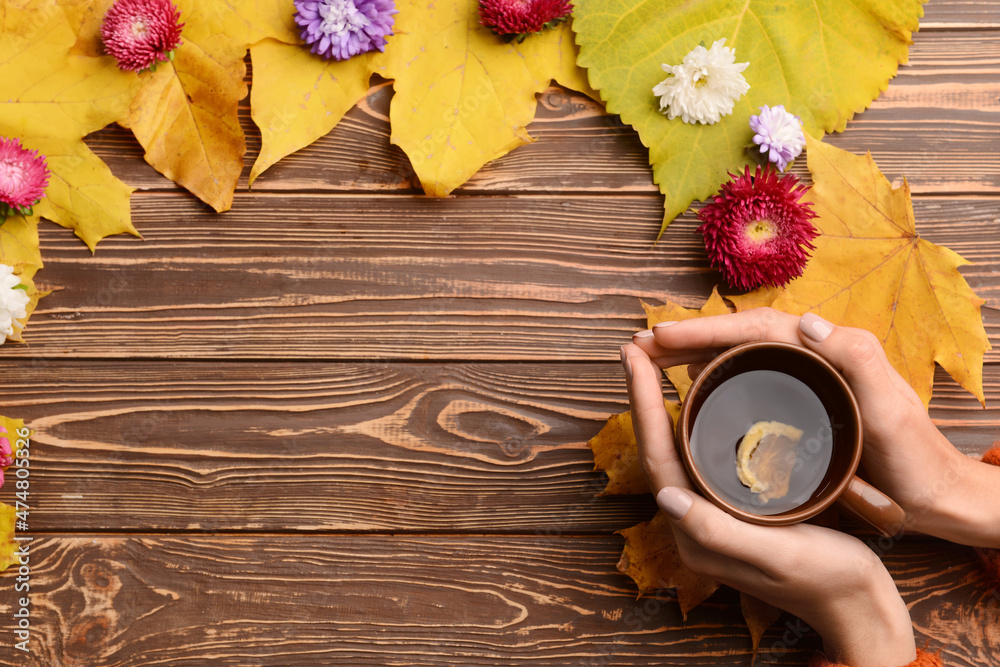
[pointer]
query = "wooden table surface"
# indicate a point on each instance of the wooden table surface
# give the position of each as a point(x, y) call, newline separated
point(346, 424)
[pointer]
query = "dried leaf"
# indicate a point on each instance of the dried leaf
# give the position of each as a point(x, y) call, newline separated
point(185, 114)
point(617, 453)
point(651, 559)
point(463, 97)
point(759, 616)
point(672, 312)
point(872, 270)
point(823, 61)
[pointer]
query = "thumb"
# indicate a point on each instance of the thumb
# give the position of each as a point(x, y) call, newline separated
point(858, 355)
point(719, 532)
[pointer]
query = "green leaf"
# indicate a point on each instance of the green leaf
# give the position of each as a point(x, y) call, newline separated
point(824, 61)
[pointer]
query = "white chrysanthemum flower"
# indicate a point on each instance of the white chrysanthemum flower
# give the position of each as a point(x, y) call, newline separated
point(13, 302)
point(704, 87)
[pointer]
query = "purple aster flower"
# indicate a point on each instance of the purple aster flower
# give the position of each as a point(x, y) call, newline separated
point(779, 134)
point(339, 29)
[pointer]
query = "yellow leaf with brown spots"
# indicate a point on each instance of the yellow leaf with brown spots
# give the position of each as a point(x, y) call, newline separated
point(673, 312)
point(617, 453)
point(872, 270)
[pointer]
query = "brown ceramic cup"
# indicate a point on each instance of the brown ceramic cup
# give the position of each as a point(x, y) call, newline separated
point(839, 485)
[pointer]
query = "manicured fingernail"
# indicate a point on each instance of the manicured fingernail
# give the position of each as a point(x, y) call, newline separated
point(663, 325)
point(643, 334)
point(674, 502)
point(815, 327)
point(627, 364)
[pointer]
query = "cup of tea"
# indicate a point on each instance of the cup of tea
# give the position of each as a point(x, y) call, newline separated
point(771, 433)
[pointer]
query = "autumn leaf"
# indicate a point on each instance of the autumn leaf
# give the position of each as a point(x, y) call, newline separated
point(463, 96)
point(51, 101)
point(298, 97)
point(759, 616)
point(8, 547)
point(185, 114)
point(616, 453)
point(651, 559)
point(824, 61)
point(673, 312)
point(872, 270)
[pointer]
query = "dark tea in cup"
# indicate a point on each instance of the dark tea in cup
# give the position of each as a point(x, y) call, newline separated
point(789, 458)
point(771, 433)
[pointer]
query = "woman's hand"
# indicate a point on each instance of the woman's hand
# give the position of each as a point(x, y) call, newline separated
point(944, 493)
point(829, 579)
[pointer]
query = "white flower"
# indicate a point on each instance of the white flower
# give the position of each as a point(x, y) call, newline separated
point(705, 86)
point(13, 302)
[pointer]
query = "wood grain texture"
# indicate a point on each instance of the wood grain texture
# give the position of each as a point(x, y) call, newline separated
point(946, 101)
point(446, 448)
point(347, 277)
point(355, 600)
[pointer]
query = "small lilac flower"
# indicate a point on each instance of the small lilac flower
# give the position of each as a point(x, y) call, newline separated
point(779, 134)
point(339, 29)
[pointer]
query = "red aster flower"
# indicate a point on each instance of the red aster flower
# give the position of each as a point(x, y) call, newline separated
point(757, 232)
point(23, 177)
point(516, 19)
point(141, 33)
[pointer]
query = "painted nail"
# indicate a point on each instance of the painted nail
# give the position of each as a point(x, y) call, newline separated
point(627, 364)
point(643, 334)
point(815, 327)
point(664, 325)
point(674, 502)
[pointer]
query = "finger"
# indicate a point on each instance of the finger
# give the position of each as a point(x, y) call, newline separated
point(725, 331)
point(858, 354)
point(653, 430)
point(718, 532)
point(724, 569)
point(667, 358)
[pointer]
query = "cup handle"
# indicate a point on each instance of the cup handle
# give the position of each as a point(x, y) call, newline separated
point(863, 501)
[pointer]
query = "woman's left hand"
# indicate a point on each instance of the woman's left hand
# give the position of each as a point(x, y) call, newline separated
point(829, 579)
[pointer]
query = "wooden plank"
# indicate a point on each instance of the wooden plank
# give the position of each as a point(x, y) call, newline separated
point(945, 102)
point(959, 14)
point(349, 277)
point(355, 600)
point(348, 447)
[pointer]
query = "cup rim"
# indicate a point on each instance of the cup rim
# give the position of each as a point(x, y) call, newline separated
point(797, 514)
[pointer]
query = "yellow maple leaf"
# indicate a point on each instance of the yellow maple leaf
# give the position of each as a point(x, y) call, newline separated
point(616, 453)
point(872, 270)
point(51, 101)
point(298, 97)
point(670, 311)
point(463, 96)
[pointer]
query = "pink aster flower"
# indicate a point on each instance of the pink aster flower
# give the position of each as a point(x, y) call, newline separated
point(141, 33)
point(756, 230)
point(339, 29)
point(516, 19)
point(779, 134)
point(24, 175)
point(6, 453)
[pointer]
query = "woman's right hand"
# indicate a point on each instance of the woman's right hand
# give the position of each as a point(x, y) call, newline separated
point(944, 493)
